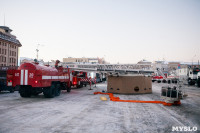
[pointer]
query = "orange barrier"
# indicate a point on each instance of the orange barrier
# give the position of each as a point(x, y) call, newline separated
point(117, 99)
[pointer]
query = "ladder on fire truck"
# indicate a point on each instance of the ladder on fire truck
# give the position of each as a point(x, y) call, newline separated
point(161, 73)
point(112, 69)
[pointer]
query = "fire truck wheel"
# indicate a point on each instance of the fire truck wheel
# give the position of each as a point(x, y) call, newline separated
point(57, 90)
point(69, 89)
point(190, 82)
point(24, 92)
point(85, 85)
point(81, 85)
point(198, 82)
point(49, 92)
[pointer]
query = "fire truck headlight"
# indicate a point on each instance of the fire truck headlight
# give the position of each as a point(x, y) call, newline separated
point(36, 81)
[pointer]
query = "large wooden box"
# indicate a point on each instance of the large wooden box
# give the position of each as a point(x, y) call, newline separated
point(129, 84)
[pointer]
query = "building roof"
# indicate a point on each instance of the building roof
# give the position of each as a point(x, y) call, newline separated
point(190, 63)
point(7, 36)
point(5, 28)
point(144, 61)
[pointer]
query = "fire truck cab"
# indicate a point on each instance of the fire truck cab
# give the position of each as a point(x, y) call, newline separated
point(79, 79)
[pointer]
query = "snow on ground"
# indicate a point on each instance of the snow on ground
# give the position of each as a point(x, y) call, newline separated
point(82, 112)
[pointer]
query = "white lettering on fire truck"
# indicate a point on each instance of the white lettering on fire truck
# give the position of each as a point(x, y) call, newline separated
point(16, 74)
point(31, 75)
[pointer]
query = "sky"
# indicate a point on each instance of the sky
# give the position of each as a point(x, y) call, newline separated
point(121, 31)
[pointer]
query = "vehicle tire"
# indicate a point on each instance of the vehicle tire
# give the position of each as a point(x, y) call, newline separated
point(198, 82)
point(24, 92)
point(57, 90)
point(69, 88)
point(85, 85)
point(49, 92)
point(81, 85)
point(159, 81)
point(164, 81)
point(191, 82)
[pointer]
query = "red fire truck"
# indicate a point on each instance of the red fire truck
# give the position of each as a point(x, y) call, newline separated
point(81, 78)
point(33, 79)
point(157, 78)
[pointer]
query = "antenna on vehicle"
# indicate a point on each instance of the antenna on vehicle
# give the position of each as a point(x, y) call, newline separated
point(37, 50)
